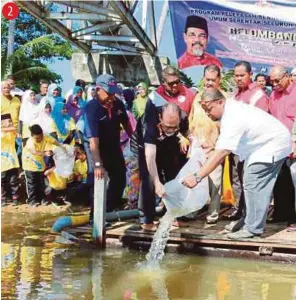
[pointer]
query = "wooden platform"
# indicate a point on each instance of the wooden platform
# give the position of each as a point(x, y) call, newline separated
point(277, 244)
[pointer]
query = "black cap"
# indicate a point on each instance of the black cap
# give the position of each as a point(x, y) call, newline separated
point(197, 22)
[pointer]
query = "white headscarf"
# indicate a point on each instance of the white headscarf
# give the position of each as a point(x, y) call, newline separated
point(89, 92)
point(29, 110)
point(44, 119)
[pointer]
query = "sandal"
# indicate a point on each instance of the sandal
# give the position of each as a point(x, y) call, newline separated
point(149, 227)
point(180, 224)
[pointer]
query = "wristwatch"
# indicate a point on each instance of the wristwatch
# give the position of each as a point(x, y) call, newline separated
point(197, 178)
point(98, 164)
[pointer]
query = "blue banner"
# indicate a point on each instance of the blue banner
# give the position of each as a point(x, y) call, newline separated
point(224, 32)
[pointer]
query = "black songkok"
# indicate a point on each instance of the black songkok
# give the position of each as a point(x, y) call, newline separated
point(197, 22)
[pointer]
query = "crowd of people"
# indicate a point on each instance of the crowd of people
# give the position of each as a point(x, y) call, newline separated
point(142, 137)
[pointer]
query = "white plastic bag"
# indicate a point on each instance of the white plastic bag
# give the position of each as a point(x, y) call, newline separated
point(180, 200)
point(64, 160)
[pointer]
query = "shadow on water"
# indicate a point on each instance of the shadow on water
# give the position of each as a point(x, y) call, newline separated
point(34, 266)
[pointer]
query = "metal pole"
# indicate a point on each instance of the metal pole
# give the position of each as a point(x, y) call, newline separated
point(151, 17)
point(94, 28)
point(144, 14)
point(162, 20)
point(35, 10)
point(109, 38)
point(99, 218)
point(134, 26)
point(11, 34)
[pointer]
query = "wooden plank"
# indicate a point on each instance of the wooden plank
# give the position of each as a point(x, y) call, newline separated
point(284, 236)
point(203, 241)
point(217, 239)
point(99, 218)
point(200, 235)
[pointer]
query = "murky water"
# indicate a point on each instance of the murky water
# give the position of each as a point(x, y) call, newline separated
point(156, 251)
point(35, 267)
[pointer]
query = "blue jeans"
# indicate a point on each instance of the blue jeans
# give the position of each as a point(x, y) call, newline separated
point(259, 180)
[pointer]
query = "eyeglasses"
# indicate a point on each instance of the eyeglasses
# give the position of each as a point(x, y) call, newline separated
point(172, 83)
point(278, 80)
point(169, 128)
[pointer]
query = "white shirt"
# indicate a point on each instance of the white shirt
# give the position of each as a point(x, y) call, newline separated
point(253, 134)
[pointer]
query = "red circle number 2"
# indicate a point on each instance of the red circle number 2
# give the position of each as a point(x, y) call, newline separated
point(10, 11)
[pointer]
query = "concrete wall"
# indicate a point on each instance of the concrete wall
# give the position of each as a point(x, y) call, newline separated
point(127, 69)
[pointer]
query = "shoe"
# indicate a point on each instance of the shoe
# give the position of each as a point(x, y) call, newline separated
point(45, 202)
point(210, 220)
point(291, 228)
point(15, 203)
point(233, 215)
point(235, 225)
point(34, 204)
point(58, 203)
point(4, 203)
point(149, 227)
point(241, 234)
point(108, 225)
point(229, 227)
point(180, 224)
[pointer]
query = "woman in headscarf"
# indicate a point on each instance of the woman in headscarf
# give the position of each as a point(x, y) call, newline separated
point(45, 120)
point(131, 192)
point(139, 103)
point(128, 96)
point(76, 111)
point(65, 125)
point(204, 133)
point(77, 93)
point(91, 93)
point(53, 95)
point(28, 113)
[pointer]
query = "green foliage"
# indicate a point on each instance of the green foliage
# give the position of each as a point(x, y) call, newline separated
point(186, 80)
point(34, 45)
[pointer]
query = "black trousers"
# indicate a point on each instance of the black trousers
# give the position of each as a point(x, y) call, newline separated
point(56, 195)
point(283, 193)
point(146, 202)
point(168, 168)
point(35, 186)
point(236, 179)
point(115, 167)
point(10, 184)
point(77, 193)
point(117, 182)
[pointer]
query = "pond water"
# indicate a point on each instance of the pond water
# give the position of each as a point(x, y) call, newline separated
point(34, 266)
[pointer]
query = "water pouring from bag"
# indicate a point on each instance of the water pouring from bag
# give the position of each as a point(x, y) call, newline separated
point(179, 201)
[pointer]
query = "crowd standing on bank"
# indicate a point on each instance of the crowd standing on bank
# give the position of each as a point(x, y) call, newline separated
point(142, 137)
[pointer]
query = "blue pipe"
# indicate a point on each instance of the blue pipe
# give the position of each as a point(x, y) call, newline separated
point(69, 221)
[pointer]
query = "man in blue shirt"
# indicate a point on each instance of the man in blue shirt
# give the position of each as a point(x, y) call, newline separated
point(104, 116)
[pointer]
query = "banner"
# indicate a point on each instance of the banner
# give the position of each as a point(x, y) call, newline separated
point(224, 32)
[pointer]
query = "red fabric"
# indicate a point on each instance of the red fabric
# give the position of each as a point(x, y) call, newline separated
point(282, 105)
point(189, 60)
point(246, 96)
point(183, 99)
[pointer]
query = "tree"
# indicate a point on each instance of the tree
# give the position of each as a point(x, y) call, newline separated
point(186, 80)
point(34, 45)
